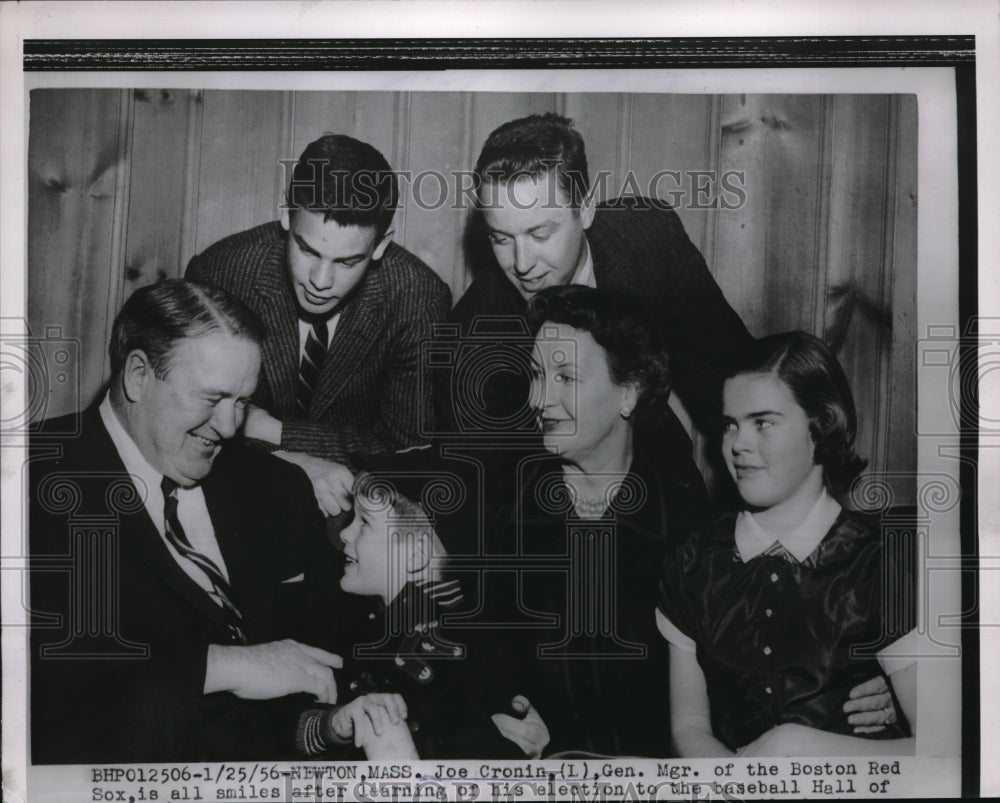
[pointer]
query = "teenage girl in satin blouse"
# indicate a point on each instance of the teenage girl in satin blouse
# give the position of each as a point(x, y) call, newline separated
point(775, 613)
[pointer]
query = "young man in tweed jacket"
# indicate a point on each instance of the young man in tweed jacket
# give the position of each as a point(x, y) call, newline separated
point(328, 271)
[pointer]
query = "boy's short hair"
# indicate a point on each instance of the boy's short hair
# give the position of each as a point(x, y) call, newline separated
point(531, 147)
point(380, 491)
point(345, 180)
point(445, 490)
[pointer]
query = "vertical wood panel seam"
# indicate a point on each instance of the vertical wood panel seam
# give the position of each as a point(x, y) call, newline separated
point(559, 103)
point(402, 109)
point(191, 171)
point(460, 277)
point(119, 216)
point(891, 179)
point(821, 255)
point(623, 140)
point(713, 135)
point(286, 143)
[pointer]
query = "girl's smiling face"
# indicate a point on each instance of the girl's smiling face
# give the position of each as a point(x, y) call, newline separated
point(766, 443)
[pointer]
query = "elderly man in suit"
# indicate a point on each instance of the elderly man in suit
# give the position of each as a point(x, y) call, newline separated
point(166, 557)
point(346, 312)
point(545, 229)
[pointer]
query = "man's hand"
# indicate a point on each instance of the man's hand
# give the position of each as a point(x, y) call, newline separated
point(275, 669)
point(870, 706)
point(260, 425)
point(528, 732)
point(394, 743)
point(332, 482)
point(378, 711)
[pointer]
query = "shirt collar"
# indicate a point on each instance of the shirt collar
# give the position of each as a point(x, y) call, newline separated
point(585, 273)
point(143, 474)
point(752, 539)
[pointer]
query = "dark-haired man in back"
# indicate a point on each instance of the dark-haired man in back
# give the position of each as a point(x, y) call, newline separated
point(346, 311)
point(545, 229)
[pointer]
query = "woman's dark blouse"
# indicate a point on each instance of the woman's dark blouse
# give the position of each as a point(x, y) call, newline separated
point(600, 688)
point(780, 641)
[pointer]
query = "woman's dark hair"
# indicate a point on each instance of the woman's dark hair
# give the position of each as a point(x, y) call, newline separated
point(619, 326)
point(811, 372)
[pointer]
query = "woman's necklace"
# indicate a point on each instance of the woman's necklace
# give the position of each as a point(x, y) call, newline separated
point(585, 503)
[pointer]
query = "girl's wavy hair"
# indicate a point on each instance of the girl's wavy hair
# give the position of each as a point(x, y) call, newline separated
point(619, 326)
point(811, 372)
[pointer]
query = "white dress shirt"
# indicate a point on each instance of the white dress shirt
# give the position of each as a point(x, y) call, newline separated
point(191, 508)
point(585, 273)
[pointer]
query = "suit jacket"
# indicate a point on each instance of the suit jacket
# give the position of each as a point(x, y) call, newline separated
point(120, 633)
point(370, 395)
point(640, 249)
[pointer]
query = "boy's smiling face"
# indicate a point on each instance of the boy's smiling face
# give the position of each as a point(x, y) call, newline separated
point(380, 547)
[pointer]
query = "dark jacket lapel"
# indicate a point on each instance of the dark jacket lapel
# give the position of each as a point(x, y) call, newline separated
point(358, 331)
point(280, 355)
point(235, 544)
point(139, 536)
point(611, 270)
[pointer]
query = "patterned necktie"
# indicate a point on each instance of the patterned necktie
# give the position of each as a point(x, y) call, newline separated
point(312, 362)
point(222, 592)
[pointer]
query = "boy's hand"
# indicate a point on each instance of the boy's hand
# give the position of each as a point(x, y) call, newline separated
point(332, 482)
point(394, 743)
point(376, 712)
point(527, 730)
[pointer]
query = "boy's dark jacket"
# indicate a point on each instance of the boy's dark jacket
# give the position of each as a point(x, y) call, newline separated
point(450, 681)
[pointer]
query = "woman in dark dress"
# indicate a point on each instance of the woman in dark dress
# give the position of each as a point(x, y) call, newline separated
point(775, 613)
point(592, 518)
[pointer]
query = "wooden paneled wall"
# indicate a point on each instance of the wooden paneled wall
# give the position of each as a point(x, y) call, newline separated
point(126, 185)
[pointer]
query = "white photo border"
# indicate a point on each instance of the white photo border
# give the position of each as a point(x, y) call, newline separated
point(939, 270)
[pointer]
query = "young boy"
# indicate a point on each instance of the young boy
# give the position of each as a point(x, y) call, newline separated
point(404, 665)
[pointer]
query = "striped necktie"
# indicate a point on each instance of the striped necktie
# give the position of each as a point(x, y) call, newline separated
point(221, 592)
point(312, 362)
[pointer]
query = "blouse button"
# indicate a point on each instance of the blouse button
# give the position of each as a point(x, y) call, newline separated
point(768, 613)
point(767, 651)
point(768, 690)
point(774, 577)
